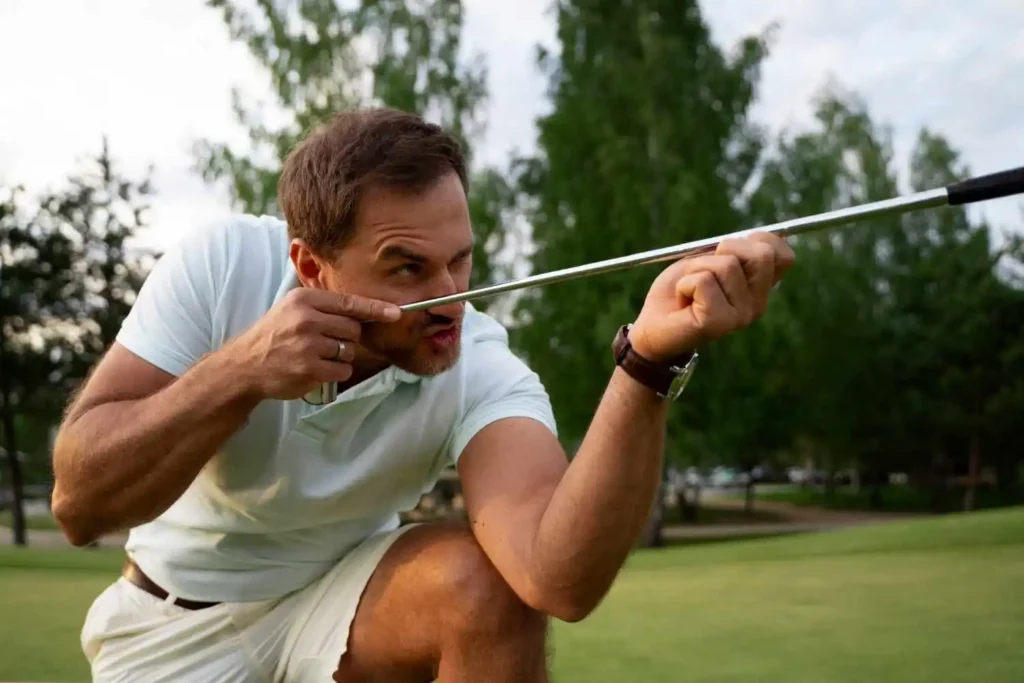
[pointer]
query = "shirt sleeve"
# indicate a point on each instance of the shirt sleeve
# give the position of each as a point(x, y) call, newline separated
point(171, 323)
point(499, 385)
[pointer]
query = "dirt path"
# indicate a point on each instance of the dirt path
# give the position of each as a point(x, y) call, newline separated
point(809, 515)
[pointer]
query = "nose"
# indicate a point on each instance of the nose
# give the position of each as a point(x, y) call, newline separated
point(444, 285)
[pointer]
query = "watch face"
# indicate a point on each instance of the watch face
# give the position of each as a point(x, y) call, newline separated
point(682, 379)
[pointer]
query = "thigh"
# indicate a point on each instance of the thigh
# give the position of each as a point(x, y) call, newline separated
point(130, 635)
point(437, 607)
point(399, 625)
point(402, 603)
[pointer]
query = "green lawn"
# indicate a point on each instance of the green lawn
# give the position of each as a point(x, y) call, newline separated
point(893, 499)
point(33, 522)
point(935, 600)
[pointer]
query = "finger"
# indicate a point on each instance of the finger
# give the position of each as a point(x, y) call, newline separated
point(334, 350)
point(784, 255)
point(337, 326)
point(354, 305)
point(707, 301)
point(331, 371)
point(733, 281)
point(758, 259)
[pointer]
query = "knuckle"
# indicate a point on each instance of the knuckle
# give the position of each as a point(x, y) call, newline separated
point(349, 329)
point(347, 302)
point(705, 278)
point(308, 346)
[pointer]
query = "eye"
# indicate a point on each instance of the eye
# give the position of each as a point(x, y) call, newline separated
point(407, 269)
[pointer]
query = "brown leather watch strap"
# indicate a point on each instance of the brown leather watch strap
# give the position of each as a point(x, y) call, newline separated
point(655, 376)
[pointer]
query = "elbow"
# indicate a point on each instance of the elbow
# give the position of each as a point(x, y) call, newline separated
point(76, 527)
point(570, 604)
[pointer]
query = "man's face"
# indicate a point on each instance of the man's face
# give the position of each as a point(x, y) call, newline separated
point(409, 248)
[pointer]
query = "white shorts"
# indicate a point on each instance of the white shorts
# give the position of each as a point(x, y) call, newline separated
point(130, 635)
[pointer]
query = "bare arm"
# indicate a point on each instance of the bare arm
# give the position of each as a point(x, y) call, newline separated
point(136, 437)
point(560, 532)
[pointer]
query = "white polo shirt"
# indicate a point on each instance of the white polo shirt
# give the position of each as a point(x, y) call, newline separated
point(299, 485)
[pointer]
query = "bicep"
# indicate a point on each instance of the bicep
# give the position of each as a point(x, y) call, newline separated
point(509, 471)
point(508, 466)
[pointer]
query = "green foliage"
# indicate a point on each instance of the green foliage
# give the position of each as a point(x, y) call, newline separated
point(646, 146)
point(894, 345)
point(905, 342)
point(68, 277)
point(324, 56)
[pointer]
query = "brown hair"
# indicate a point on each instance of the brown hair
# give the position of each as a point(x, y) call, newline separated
point(326, 174)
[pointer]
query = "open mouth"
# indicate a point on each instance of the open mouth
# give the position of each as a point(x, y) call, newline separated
point(445, 336)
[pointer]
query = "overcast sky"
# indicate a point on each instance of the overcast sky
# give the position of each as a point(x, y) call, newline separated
point(156, 75)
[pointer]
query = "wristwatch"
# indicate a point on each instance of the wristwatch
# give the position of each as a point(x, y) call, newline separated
point(667, 379)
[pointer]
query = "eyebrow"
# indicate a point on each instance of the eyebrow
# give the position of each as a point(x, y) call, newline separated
point(398, 252)
point(394, 252)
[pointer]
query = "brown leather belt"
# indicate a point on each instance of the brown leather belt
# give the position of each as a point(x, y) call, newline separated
point(137, 577)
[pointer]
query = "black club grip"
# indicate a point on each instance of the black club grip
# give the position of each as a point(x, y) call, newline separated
point(985, 187)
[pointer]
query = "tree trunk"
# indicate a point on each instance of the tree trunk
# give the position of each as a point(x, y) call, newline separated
point(875, 499)
point(652, 536)
point(11, 445)
point(972, 473)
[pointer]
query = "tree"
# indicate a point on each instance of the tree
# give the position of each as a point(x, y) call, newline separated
point(633, 156)
point(67, 280)
point(832, 300)
point(901, 335)
point(322, 57)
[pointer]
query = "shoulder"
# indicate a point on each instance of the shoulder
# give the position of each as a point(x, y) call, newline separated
point(485, 346)
point(491, 369)
point(234, 238)
point(494, 382)
point(225, 256)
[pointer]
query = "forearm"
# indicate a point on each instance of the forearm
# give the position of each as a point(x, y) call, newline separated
point(123, 463)
point(600, 506)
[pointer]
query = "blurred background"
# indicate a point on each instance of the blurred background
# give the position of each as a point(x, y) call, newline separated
point(880, 399)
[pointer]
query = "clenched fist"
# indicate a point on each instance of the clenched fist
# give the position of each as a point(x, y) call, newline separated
point(697, 300)
point(307, 339)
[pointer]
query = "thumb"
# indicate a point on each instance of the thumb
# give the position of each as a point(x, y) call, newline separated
point(701, 291)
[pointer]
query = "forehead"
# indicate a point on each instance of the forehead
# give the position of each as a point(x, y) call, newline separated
point(435, 220)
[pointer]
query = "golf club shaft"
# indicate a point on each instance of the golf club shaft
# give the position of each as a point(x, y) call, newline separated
point(796, 226)
point(977, 189)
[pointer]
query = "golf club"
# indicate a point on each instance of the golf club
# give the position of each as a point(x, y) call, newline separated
point(969, 191)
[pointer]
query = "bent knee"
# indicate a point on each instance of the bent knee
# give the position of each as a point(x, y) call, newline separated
point(475, 597)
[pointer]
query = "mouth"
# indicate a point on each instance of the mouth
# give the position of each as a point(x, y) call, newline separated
point(444, 336)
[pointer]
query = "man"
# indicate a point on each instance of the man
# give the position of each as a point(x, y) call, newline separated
point(264, 542)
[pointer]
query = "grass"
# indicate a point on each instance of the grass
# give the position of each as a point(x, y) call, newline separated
point(893, 499)
point(32, 522)
point(928, 600)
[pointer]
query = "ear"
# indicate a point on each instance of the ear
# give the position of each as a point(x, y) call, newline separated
point(310, 267)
